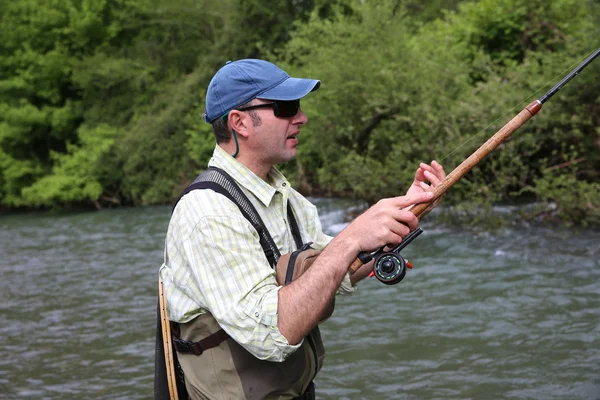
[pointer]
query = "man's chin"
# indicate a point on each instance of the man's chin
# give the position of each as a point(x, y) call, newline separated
point(288, 157)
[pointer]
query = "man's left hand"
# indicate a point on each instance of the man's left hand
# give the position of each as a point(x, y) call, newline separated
point(433, 173)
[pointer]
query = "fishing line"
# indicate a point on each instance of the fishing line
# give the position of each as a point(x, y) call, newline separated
point(512, 109)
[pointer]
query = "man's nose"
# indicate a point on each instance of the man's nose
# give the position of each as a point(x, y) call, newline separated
point(300, 118)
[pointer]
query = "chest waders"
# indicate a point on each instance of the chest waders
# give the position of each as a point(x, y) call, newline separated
point(169, 382)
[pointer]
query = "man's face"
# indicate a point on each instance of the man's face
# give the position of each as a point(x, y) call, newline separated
point(275, 138)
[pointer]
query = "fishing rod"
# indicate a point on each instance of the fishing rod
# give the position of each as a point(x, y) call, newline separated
point(390, 266)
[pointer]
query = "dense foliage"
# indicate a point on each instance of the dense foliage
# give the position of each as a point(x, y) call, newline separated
point(101, 100)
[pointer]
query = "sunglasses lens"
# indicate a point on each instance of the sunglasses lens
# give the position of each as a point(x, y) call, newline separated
point(287, 109)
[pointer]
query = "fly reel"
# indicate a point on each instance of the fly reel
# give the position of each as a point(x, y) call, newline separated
point(389, 266)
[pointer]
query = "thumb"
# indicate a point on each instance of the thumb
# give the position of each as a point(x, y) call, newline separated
point(413, 198)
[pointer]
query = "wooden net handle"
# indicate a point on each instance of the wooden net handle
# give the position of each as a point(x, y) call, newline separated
point(167, 344)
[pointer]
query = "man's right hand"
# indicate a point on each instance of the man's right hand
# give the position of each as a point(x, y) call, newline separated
point(302, 303)
point(385, 223)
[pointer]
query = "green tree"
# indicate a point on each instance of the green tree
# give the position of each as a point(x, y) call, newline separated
point(41, 107)
point(101, 101)
point(392, 97)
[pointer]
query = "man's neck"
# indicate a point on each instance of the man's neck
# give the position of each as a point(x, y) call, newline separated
point(252, 163)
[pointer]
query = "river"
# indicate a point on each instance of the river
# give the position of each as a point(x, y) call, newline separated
point(513, 314)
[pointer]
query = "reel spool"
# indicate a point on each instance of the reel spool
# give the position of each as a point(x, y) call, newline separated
point(390, 268)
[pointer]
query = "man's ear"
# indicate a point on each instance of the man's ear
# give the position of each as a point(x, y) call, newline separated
point(239, 121)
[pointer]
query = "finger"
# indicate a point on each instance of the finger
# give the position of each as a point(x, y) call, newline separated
point(427, 167)
point(395, 240)
point(406, 219)
point(435, 168)
point(389, 247)
point(439, 169)
point(414, 198)
point(401, 230)
point(425, 187)
point(432, 178)
point(410, 220)
point(420, 175)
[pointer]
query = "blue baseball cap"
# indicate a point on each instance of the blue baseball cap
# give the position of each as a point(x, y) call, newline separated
point(238, 82)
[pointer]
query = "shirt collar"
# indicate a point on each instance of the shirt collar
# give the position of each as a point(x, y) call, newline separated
point(264, 191)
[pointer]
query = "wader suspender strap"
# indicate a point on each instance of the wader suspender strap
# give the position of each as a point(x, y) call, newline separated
point(218, 180)
point(294, 227)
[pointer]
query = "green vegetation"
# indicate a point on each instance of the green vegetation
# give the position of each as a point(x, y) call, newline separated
point(101, 100)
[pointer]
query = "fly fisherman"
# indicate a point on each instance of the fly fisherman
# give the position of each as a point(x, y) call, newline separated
point(242, 335)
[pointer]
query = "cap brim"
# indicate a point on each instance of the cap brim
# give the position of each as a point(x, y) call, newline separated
point(291, 89)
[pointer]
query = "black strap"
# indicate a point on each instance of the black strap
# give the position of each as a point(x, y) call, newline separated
point(294, 226)
point(197, 348)
point(221, 182)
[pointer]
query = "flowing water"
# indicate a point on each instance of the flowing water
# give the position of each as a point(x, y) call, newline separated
point(509, 315)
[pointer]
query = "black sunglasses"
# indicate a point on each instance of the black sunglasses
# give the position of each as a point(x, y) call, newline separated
point(283, 109)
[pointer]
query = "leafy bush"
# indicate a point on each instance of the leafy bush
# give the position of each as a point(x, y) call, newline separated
point(392, 97)
point(101, 102)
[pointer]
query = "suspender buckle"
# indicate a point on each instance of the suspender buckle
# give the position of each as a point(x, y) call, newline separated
point(185, 347)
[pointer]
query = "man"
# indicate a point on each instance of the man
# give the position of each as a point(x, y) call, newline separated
point(216, 275)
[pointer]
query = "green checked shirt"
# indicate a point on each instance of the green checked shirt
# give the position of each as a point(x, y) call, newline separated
point(214, 261)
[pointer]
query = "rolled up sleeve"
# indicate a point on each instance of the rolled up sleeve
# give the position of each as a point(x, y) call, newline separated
point(320, 241)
